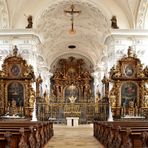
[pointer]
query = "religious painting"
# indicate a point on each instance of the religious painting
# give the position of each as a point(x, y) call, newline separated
point(71, 94)
point(129, 70)
point(16, 94)
point(128, 94)
point(15, 70)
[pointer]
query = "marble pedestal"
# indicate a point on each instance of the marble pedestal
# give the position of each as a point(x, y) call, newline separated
point(72, 121)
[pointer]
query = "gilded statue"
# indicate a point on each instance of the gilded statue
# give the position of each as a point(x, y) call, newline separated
point(2, 74)
point(87, 91)
point(32, 98)
point(146, 70)
point(130, 52)
point(46, 97)
point(14, 107)
point(131, 108)
point(113, 100)
point(146, 101)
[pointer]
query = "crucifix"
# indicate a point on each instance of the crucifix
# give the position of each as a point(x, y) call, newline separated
point(72, 12)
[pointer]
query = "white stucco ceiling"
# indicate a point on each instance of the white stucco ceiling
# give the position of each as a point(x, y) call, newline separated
point(92, 25)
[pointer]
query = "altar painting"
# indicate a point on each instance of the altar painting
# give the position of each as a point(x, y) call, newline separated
point(128, 94)
point(71, 94)
point(16, 93)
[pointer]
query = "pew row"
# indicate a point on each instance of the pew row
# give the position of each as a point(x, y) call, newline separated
point(25, 134)
point(122, 134)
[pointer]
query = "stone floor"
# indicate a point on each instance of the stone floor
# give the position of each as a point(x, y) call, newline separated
point(73, 137)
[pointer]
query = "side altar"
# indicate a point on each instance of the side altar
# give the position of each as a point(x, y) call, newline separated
point(16, 92)
point(129, 93)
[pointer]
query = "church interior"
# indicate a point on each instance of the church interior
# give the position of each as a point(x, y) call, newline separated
point(73, 64)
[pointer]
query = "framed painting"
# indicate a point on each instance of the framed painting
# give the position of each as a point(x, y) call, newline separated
point(128, 93)
point(16, 92)
point(71, 94)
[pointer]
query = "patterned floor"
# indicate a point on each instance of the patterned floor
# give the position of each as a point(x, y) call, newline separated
point(73, 137)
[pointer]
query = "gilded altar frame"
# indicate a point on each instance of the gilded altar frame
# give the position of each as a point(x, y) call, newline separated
point(129, 72)
point(16, 92)
point(72, 90)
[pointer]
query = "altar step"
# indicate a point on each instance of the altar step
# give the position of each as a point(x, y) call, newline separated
point(73, 137)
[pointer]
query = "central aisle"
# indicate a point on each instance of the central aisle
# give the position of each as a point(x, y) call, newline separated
point(73, 137)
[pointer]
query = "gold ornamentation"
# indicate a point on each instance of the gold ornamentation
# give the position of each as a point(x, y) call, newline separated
point(146, 101)
point(113, 100)
point(72, 99)
point(12, 72)
point(32, 98)
point(129, 70)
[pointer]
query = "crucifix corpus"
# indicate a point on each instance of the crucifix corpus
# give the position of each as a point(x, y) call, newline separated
point(72, 12)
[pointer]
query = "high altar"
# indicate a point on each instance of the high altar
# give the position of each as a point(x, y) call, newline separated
point(72, 91)
point(16, 92)
point(129, 93)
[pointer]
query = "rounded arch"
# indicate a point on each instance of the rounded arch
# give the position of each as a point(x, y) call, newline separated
point(55, 59)
point(90, 3)
point(141, 15)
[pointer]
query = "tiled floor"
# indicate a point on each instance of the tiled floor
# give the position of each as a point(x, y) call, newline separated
point(73, 137)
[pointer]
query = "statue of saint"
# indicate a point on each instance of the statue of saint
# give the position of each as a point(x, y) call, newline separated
point(113, 100)
point(32, 98)
point(15, 50)
point(30, 23)
point(114, 23)
point(14, 108)
point(87, 91)
point(146, 101)
point(130, 52)
point(131, 109)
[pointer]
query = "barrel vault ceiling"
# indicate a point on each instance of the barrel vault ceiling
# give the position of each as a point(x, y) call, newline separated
point(92, 25)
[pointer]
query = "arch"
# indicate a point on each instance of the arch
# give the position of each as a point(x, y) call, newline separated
point(141, 14)
point(66, 55)
point(89, 3)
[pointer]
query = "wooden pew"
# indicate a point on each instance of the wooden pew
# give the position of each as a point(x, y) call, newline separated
point(121, 134)
point(28, 134)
